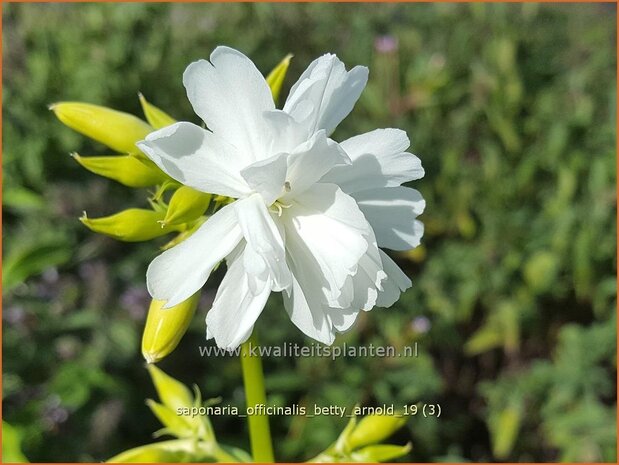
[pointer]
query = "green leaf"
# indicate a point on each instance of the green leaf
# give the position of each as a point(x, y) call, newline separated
point(504, 430)
point(31, 259)
point(11, 445)
point(22, 199)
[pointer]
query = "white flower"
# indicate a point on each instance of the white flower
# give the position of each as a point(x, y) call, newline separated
point(309, 211)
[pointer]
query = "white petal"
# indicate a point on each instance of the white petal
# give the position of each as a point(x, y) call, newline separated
point(311, 161)
point(287, 175)
point(285, 132)
point(264, 241)
point(379, 159)
point(325, 238)
point(343, 319)
point(235, 308)
point(331, 91)
point(178, 273)
point(230, 95)
point(197, 158)
point(267, 177)
point(392, 211)
point(396, 282)
point(367, 282)
point(310, 317)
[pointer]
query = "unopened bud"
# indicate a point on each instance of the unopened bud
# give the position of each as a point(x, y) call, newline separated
point(373, 429)
point(126, 169)
point(119, 131)
point(132, 225)
point(380, 453)
point(186, 205)
point(275, 79)
point(165, 327)
point(155, 116)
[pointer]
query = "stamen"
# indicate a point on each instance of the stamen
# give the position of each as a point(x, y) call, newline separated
point(279, 207)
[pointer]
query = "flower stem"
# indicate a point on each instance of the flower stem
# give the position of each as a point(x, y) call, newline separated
point(255, 394)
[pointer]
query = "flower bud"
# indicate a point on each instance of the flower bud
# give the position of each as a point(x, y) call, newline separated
point(180, 237)
point(156, 117)
point(119, 131)
point(275, 79)
point(171, 451)
point(373, 429)
point(172, 393)
point(126, 169)
point(166, 326)
point(380, 453)
point(132, 225)
point(186, 205)
point(174, 424)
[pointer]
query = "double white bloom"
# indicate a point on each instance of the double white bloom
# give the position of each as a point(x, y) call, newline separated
point(310, 213)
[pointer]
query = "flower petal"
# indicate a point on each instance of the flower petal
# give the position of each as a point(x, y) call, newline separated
point(267, 177)
point(396, 282)
point(310, 317)
point(197, 158)
point(392, 211)
point(311, 161)
point(325, 238)
point(230, 95)
point(331, 91)
point(379, 159)
point(364, 286)
point(264, 241)
point(343, 319)
point(178, 273)
point(235, 308)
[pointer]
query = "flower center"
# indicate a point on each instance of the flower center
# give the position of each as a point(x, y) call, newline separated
point(278, 207)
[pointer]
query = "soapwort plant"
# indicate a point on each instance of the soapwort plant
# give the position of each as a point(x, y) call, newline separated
point(285, 206)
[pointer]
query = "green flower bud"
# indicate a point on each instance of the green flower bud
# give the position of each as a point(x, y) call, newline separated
point(275, 79)
point(173, 451)
point(380, 453)
point(192, 228)
point(126, 169)
point(119, 131)
point(166, 326)
point(172, 393)
point(186, 205)
point(132, 225)
point(373, 429)
point(156, 117)
point(175, 425)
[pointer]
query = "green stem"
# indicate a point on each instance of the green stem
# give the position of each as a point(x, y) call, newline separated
point(255, 394)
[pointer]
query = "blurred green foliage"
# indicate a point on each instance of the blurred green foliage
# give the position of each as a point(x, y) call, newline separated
point(512, 111)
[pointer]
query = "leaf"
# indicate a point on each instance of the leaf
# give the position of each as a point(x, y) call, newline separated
point(504, 431)
point(22, 199)
point(32, 259)
point(11, 445)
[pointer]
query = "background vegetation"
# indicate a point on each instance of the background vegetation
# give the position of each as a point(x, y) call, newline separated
point(512, 110)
